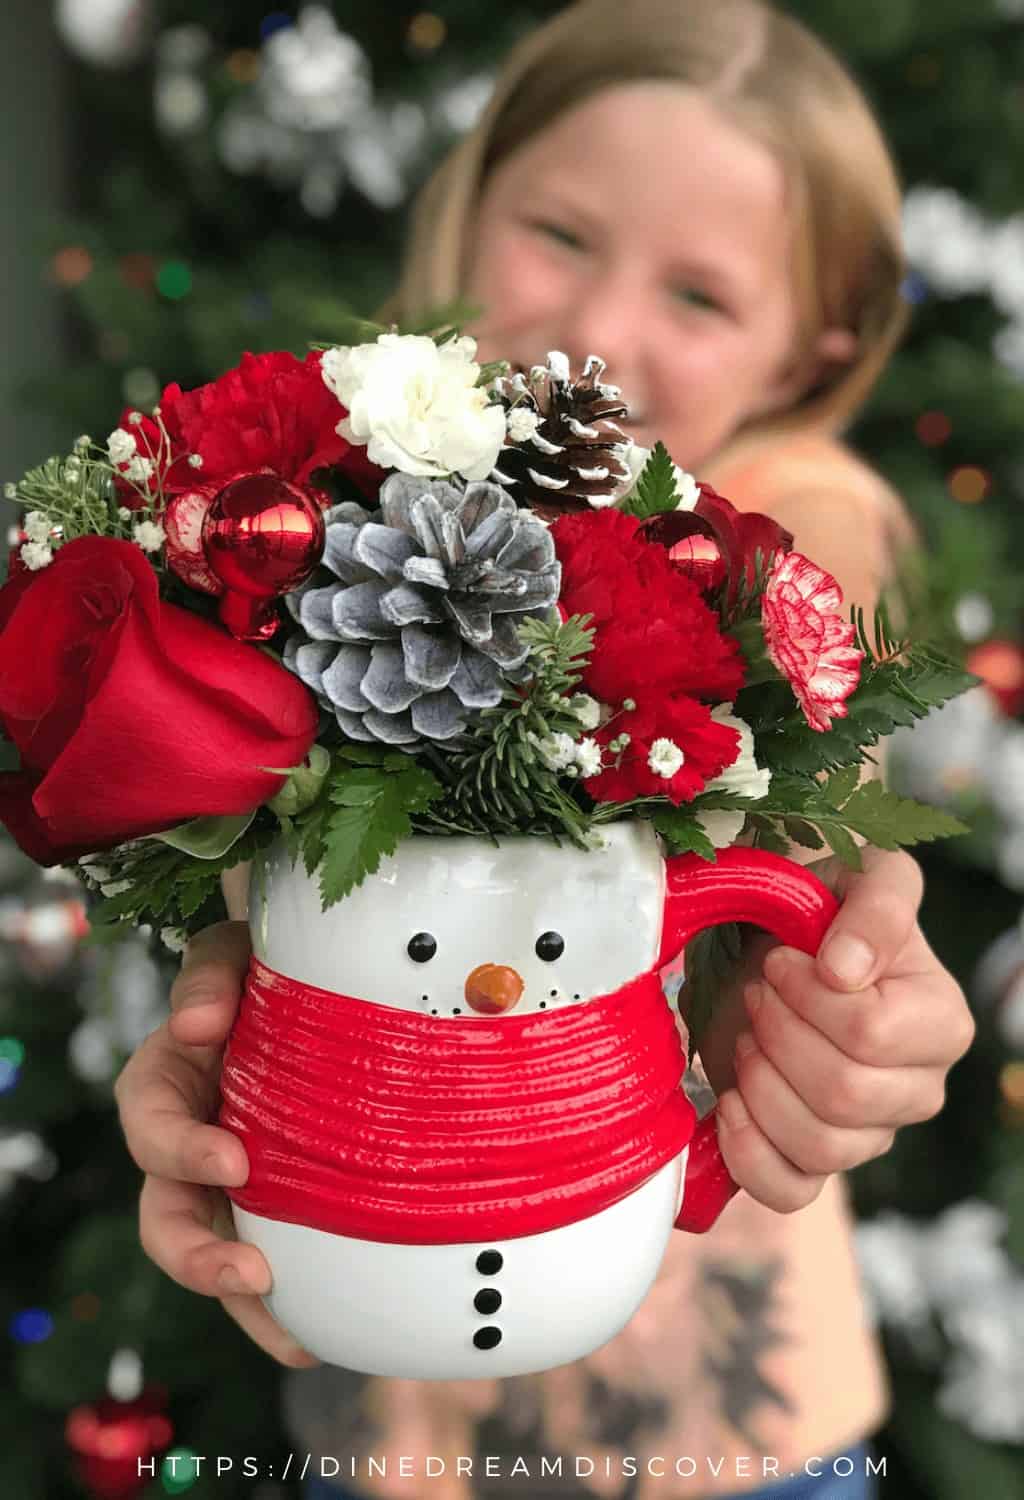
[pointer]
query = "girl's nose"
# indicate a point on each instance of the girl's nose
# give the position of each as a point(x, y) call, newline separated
point(492, 989)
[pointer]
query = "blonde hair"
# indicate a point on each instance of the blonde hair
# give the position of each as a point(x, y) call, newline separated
point(768, 75)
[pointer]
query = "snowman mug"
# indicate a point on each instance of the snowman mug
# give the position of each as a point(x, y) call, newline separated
point(459, 1090)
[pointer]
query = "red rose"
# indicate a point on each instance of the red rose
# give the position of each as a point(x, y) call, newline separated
point(706, 746)
point(808, 640)
point(131, 715)
point(653, 630)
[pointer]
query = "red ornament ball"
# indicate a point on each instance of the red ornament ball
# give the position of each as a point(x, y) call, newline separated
point(262, 537)
point(109, 1438)
point(1000, 665)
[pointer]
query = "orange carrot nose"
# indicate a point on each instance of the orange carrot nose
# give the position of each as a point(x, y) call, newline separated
point(492, 989)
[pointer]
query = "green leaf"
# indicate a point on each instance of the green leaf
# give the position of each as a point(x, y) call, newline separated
point(371, 821)
point(840, 786)
point(10, 759)
point(207, 838)
point(890, 822)
point(710, 962)
point(655, 491)
point(802, 833)
point(841, 843)
point(682, 833)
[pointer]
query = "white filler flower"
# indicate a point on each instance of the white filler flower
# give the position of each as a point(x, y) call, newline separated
point(416, 405)
point(687, 488)
point(665, 758)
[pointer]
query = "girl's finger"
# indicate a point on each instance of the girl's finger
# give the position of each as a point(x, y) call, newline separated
point(206, 993)
point(875, 921)
point(836, 1088)
point(793, 1129)
point(915, 1019)
point(164, 1099)
point(755, 1164)
point(189, 1234)
point(178, 1231)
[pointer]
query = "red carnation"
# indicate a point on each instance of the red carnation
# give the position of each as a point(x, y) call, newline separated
point(272, 413)
point(702, 748)
point(653, 630)
point(129, 714)
point(807, 639)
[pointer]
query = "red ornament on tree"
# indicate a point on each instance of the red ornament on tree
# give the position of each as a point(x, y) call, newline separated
point(262, 537)
point(111, 1440)
point(1000, 665)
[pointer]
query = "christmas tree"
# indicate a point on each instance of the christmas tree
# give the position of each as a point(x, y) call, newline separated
point(243, 180)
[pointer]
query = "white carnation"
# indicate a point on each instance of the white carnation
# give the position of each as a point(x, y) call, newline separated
point(121, 446)
point(417, 406)
point(36, 555)
point(586, 709)
point(665, 758)
point(588, 757)
point(149, 535)
point(687, 488)
point(722, 827)
point(744, 776)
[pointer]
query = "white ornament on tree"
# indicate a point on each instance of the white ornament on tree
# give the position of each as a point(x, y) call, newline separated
point(107, 33)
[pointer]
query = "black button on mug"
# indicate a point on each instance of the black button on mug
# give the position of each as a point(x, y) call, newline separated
point(486, 1338)
point(489, 1262)
point(487, 1301)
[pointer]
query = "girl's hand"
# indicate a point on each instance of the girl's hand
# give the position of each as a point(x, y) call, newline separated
point(166, 1094)
point(840, 1050)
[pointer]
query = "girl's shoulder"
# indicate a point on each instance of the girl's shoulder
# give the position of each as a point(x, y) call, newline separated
point(812, 464)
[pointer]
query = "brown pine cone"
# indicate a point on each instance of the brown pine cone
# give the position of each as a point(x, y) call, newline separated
point(565, 450)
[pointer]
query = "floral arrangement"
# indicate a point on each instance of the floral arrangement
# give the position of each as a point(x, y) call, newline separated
point(382, 591)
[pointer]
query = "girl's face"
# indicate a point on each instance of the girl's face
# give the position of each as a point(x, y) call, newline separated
point(643, 227)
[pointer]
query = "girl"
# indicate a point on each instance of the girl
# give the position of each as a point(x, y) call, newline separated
point(696, 191)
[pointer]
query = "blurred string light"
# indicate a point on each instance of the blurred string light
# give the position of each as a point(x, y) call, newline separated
point(969, 485)
point(933, 428)
point(924, 71)
point(174, 280)
point(32, 1325)
point(70, 266)
point(106, 33)
point(86, 1307)
point(179, 1470)
point(12, 1055)
point(1011, 1087)
point(427, 32)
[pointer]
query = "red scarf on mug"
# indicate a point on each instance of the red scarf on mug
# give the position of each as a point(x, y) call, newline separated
point(384, 1124)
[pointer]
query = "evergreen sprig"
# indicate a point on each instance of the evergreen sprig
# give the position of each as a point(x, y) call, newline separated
point(501, 782)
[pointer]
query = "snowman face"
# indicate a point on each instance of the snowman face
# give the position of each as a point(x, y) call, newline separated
point(456, 927)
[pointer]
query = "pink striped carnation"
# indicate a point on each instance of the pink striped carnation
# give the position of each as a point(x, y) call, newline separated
point(808, 640)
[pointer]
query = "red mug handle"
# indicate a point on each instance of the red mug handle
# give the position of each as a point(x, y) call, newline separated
point(742, 885)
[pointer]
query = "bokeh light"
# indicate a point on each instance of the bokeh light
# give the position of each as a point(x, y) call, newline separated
point(969, 485)
point(427, 32)
point(174, 280)
point(71, 266)
point(933, 428)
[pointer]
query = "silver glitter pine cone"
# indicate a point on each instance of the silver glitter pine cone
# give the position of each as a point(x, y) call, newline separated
point(565, 449)
point(417, 628)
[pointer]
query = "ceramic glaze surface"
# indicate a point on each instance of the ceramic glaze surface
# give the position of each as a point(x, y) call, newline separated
point(482, 905)
point(412, 1311)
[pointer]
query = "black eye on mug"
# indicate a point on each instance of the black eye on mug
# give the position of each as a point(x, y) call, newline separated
point(549, 946)
point(422, 947)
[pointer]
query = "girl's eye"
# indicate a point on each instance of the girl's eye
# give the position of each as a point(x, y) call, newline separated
point(422, 947)
point(549, 946)
point(703, 299)
point(556, 232)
